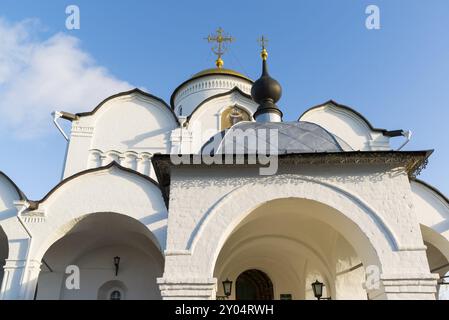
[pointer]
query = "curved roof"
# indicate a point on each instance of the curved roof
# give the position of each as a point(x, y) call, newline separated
point(19, 192)
point(35, 204)
point(129, 92)
point(233, 90)
point(292, 137)
point(205, 73)
point(346, 108)
point(217, 71)
point(432, 189)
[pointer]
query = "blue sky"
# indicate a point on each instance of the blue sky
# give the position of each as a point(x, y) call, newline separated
point(398, 76)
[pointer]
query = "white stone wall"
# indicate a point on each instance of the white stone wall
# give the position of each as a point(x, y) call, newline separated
point(126, 129)
point(377, 200)
point(348, 126)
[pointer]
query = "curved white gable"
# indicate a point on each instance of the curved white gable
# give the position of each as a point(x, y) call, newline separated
point(432, 211)
point(9, 193)
point(347, 125)
point(132, 124)
point(205, 121)
point(431, 208)
point(111, 189)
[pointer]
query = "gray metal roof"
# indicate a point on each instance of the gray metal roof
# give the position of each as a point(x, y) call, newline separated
point(274, 138)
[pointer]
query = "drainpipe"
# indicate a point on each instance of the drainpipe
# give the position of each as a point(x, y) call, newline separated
point(25, 207)
point(396, 133)
point(64, 115)
point(56, 115)
point(67, 116)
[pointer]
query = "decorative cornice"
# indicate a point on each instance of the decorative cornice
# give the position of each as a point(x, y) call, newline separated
point(175, 92)
point(80, 131)
point(35, 204)
point(413, 162)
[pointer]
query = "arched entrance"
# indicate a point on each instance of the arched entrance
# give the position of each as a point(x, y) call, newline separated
point(253, 284)
point(438, 259)
point(289, 240)
point(116, 255)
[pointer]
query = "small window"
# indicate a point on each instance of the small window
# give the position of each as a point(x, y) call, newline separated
point(233, 115)
point(115, 295)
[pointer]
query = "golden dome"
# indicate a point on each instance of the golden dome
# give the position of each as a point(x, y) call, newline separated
point(217, 71)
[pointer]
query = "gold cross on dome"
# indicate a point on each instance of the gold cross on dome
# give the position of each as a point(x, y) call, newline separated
point(220, 48)
point(263, 43)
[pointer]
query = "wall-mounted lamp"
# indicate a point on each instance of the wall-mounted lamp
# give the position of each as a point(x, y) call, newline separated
point(317, 288)
point(116, 264)
point(227, 287)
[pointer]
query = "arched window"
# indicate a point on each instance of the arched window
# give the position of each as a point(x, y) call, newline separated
point(233, 115)
point(115, 295)
point(112, 290)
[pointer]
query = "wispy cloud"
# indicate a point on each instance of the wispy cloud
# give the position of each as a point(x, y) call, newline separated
point(37, 77)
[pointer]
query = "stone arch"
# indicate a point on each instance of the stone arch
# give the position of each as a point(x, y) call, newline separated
point(274, 266)
point(256, 279)
point(370, 235)
point(105, 290)
point(105, 189)
point(90, 243)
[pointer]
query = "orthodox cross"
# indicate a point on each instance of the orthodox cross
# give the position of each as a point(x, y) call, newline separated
point(263, 43)
point(220, 48)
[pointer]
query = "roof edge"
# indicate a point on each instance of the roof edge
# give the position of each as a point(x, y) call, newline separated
point(432, 188)
point(172, 97)
point(348, 109)
point(218, 95)
point(18, 190)
point(412, 161)
point(125, 93)
point(35, 203)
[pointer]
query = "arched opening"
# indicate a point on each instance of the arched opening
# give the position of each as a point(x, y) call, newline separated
point(437, 245)
point(112, 252)
point(112, 290)
point(4, 251)
point(296, 242)
point(253, 284)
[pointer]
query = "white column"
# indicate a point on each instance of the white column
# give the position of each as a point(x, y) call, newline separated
point(29, 281)
point(187, 289)
point(19, 280)
point(406, 287)
point(144, 164)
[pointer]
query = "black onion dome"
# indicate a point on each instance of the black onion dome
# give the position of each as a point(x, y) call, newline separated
point(266, 91)
point(266, 88)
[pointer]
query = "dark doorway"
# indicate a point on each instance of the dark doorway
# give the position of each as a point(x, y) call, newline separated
point(253, 285)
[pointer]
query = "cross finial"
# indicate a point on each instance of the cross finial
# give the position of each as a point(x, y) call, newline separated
point(220, 48)
point(263, 43)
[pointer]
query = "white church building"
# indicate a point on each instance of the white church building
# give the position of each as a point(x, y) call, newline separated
point(142, 213)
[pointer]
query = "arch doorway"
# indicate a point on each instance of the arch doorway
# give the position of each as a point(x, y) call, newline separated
point(254, 285)
point(91, 245)
point(296, 242)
